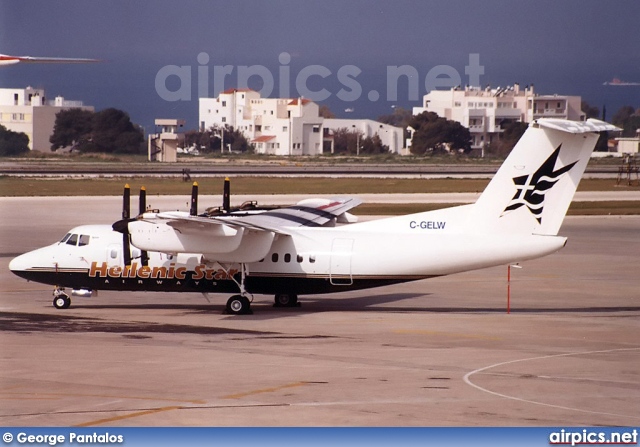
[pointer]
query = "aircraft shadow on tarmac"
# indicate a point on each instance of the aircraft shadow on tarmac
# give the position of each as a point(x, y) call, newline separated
point(35, 322)
point(265, 310)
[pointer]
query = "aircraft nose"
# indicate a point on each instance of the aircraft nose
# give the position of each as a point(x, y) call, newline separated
point(21, 263)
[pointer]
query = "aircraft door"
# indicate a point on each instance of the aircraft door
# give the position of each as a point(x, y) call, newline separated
point(340, 265)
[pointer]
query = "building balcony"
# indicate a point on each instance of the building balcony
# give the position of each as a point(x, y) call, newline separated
point(550, 112)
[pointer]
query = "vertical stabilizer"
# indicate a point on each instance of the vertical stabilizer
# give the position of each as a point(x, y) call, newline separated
point(532, 190)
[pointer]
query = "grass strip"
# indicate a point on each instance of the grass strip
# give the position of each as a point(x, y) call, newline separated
point(103, 186)
point(616, 208)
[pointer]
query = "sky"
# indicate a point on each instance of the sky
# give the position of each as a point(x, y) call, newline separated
point(158, 56)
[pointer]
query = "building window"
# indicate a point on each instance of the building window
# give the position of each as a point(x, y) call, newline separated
point(316, 129)
point(285, 128)
point(224, 103)
point(224, 119)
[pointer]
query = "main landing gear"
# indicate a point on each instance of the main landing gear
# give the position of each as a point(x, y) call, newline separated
point(239, 304)
point(60, 299)
point(286, 300)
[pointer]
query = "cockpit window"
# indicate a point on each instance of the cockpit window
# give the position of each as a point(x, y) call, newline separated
point(73, 240)
point(84, 240)
point(64, 239)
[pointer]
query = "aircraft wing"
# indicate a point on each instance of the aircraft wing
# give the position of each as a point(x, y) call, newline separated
point(5, 59)
point(306, 213)
point(244, 238)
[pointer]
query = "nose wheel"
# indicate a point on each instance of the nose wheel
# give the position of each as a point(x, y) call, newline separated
point(60, 299)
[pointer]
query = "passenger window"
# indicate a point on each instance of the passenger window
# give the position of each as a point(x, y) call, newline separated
point(73, 240)
point(66, 236)
point(84, 240)
point(299, 258)
point(312, 258)
point(113, 254)
point(287, 257)
point(274, 257)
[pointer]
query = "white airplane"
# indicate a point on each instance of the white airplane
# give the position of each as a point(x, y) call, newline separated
point(300, 250)
point(5, 59)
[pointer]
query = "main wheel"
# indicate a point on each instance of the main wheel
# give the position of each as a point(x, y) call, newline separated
point(238, 305)
point(286, 300)
point(62, 301)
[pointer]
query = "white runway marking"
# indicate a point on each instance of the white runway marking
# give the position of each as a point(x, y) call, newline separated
point(469, 382)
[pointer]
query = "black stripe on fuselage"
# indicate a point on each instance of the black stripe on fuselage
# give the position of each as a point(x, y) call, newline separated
point(300, 285)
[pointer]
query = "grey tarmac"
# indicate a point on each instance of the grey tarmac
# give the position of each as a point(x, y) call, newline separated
point(440, 352)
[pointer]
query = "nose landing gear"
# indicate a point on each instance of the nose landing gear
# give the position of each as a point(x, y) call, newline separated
point(60, 299)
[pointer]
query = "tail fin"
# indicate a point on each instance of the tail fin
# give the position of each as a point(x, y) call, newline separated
point(533, 189)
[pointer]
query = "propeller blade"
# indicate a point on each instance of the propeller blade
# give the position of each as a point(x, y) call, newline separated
point(226, 196)
point(194, 200)
point(142, 207)
point(142, 200)
point(126, 248)
point(126, 202)
point(124, 225)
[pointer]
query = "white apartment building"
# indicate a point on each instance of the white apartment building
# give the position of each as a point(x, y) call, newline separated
point(27, 110)
point(277, 126)
point(486, 111)
point(282, 126)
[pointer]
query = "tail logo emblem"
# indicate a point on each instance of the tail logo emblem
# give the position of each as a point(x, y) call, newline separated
point(531, 188)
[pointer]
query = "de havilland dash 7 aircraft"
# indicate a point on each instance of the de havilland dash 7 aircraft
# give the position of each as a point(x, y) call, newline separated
point(316, 247)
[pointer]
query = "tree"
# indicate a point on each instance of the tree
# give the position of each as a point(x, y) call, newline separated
point(113, 131)
point(12, 143)
point(345, 140)
point(373, 145)
point(109, 130)
point(325, 112)
point(508, 139)
point(399, 118)
point(628, 119)
point(434, 134)
point(71, 129)
point(589, 111)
